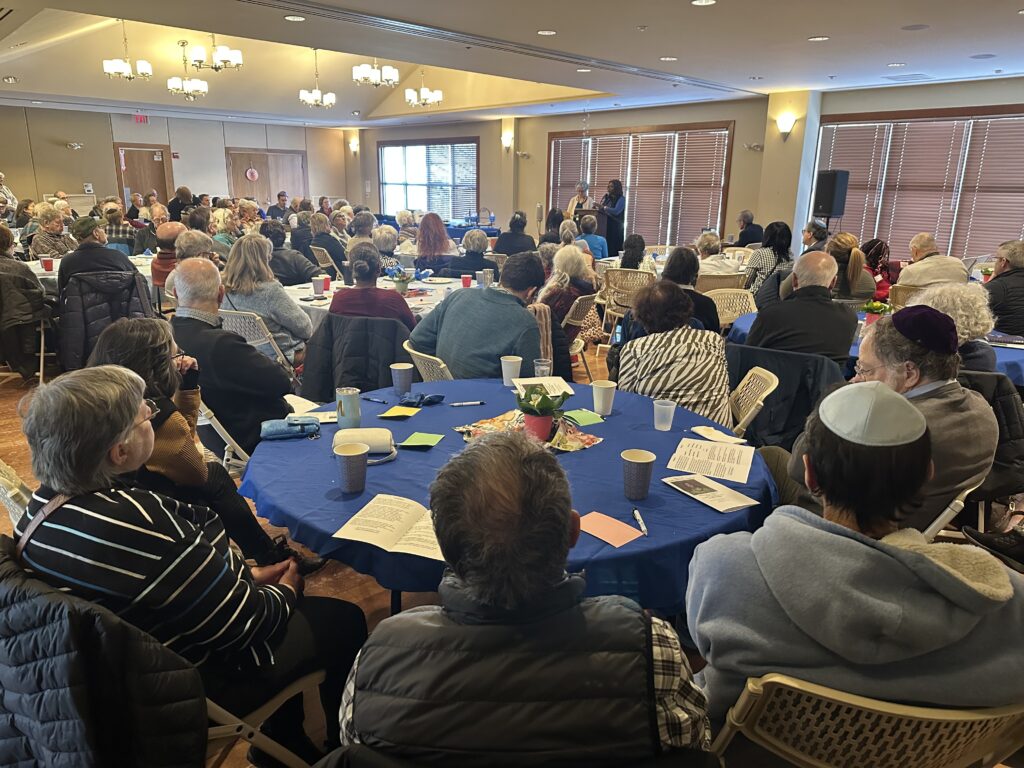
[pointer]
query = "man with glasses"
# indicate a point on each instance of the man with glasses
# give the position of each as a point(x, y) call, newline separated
point(145, 238)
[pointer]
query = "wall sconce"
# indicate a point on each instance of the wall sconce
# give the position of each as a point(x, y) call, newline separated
point(353, 144)
point(506, 140)
point(785, 123)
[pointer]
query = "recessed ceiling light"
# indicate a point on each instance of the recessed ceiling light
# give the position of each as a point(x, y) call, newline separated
point(294, 18)
point(668, 58)
point(1021, 12)
point(703, 2)
point(582, 69)
point(546, 32)
point(817, 39)
point(756, 77)
point(355, 113)
point(983, 56)
point(914, 27)
point(10, 79)
point(641, 27)
point(18, 45)
point(895, 64)
point(37, 102)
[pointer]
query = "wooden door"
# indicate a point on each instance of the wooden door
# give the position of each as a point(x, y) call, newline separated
point(288, 173)
point(239, 164)
point(142, 167)
point(276, 170)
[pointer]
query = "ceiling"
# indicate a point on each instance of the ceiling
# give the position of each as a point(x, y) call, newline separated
point(488, 57)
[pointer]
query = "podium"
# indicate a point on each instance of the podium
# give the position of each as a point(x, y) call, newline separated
point(601, 216)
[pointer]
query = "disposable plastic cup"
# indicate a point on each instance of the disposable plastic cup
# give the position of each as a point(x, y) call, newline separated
point(664, 410)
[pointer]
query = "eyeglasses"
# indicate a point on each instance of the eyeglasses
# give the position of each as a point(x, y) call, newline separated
point(153, 412)
point(862, 371)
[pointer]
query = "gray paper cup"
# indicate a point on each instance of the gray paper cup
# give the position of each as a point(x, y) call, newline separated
point(637, 470)
point(352, 466)
point(401, 378)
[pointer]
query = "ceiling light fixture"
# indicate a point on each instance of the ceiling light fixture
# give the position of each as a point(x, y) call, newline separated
point(703, 2)
point(37, 102)
point(223, 56)
point(668, 58)
point(817, 39)
point(371, 74)
point(756, 77)
point(10, 79)
point(191, 88)
point(355, 113)
point(896, 64)
point(293, 17)
point(424, 97)
point(546, 32)
point(317, 98)
point(582, 69)
point(122, 68)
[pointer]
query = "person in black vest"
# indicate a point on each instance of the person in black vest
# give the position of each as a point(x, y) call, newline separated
point(435, 683)
point(1006, 288)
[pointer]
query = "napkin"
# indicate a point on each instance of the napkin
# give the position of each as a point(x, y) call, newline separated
point(583, 417)
point(608, 529)
point(716, 436)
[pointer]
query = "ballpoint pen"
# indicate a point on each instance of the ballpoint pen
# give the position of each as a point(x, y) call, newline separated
point(639, 521)
point(469, 402)
point(375, 400)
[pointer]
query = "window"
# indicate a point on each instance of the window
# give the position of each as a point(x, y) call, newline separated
point(961, 178)
point(674, 179)
point(439, 177)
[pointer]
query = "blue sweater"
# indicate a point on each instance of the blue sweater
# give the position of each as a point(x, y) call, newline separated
point(474, 327)
point(598, 245)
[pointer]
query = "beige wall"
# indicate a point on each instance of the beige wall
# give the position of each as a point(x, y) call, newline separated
point(325, 159)
point(16, 153)
point(934, 96)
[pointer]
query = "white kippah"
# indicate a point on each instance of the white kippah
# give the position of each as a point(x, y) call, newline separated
point(870, 413)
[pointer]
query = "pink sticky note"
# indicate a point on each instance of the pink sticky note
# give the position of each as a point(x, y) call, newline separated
point(608, 529)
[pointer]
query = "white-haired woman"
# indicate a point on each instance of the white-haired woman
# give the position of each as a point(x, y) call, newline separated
point(581, 200)
point(225, 226)
point(475, 242)
point(967, 304)
point(571, 277)
point(385, 240)
point(407, 229)
point(249, 217)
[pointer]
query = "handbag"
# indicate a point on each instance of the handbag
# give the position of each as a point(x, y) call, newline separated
point(378, 438)
point(290, 427)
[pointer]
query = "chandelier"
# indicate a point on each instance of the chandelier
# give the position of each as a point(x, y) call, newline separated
point(191, 88)
point(316, 98)
point(424, 97)
point(122, 68)
point(223, 56)
point(371, 74)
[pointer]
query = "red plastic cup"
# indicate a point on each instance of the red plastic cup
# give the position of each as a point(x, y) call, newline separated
point(327, 283)
point(467, 281)
point(47, 263)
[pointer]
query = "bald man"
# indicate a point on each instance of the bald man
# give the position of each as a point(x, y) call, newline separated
point(166, 258)
point(242, 386)
point(929, 266)
point(808, 320)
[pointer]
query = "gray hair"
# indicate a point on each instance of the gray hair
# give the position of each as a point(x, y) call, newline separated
point(569, 262)
point(157, 207)
point(966, 303)
point(924, 241)
point(476, 240)
point(192, 243)
point(49, 216)
point(746, 217)
point(405, 218)
point(70, 444)
point(506, 541)
point(547, 252)
point(385, 239)
point(588, 224)
point(196, 281)
point(304, 217)
point(815, 268)
point(362, 223)
point(583, 185)
point(894, 349)
point(62, 205)
point(708, 244)
point(1013, 252)
point(568, 232)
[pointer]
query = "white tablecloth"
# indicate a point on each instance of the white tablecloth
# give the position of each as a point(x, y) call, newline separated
point(420, 305)
point(49, 279)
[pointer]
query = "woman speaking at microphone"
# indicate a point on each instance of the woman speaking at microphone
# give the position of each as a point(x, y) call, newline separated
point(614, 205)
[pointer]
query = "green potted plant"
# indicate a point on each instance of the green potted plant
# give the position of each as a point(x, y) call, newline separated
point(540, 410)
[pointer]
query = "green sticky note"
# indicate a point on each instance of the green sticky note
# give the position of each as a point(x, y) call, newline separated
point(583, 417)
point(421, 441)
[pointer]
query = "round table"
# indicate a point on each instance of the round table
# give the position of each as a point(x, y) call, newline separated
point(295, 484)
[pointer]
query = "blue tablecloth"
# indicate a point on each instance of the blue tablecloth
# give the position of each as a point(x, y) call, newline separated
point(1008, 360)
point(457, 232)
point(294, 484)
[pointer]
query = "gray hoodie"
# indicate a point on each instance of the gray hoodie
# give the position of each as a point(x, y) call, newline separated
point(897, 619)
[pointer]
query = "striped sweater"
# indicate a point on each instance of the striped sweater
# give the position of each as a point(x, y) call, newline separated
point(163, 566)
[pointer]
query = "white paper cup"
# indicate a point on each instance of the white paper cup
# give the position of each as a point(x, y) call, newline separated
point(637, 470)
point(604, 396)
point(510, 365)
point(480, 279)
point(318, 286)
point(664, 410)
point(401, 378)
point(352, 466)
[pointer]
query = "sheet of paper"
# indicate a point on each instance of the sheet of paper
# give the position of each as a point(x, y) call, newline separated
point(326, 417)
point(706, 491)
point(699, 457)
point(608, 529)
point(553, 385)
point(583, 417)
point(399, 412)
point(420, 540)
point(300, 404)
point(394, 524)
point(421, 440)
point(717, 435)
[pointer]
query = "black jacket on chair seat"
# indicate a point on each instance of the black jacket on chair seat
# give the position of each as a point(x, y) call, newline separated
point(82, 688)
point(1006, 477)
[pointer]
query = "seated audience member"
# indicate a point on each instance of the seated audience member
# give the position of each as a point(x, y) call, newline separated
point(434, 249)
point(570, 279)
point(119, 231)
point(250, 286)
point(28, 232)
point(302, 235)
point(808, 321)
point(339, 224)
point(967, 305)
point(1006, 288)
point(6, 213)
point(23, 212)
point(507, 593)
point(145, 238)
point(29, 308)
point(91, 255)
point(225, 225)
point(242, 386)
point(280, 210)
point(682, 267)
point(853, 281)
point(814, 236)
point(773, 253)
point(320, 229)
point(247, 630)
point(362, 229)
point(291, 219)
point(570, 235)
point(749, 231)
point(366, 299)
point(289, 266)
point(192, 244)
point(475, 242)
point(176, 467)
point(552, 227)
point(876, 258)
point(844, 599)
point(136, 203)
point(712, 262)
point(183, 198)
point(148, 200)
point(514, 239)
point(166, 251)
point(304, 204)
point(385, 240)
point(66, 212)
point(929, 266)
point(547, 252)
point(407, 226)
point(633, 250)
point(675, 361)
point(914, 352)
point(472, 330)
point(199, 219)
point(50, 239)
point(249, 218)
point(597, 244)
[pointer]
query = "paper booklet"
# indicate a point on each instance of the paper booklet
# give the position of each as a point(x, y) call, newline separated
point(553, 385)
point(706, 491)
point(699, 457)
point(395, 525)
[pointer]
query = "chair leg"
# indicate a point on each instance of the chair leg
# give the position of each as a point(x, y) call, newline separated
point(42, 352)
point(586, 365)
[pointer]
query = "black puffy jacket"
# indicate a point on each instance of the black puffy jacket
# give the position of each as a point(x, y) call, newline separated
point(83, 688)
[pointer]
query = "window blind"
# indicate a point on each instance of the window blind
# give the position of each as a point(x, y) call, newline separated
point(699, 183)
point(568, 164)
point(861, 150)
point(439, 177)
point(649, 187)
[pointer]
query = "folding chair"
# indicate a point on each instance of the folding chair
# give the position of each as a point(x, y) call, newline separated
point(251, 327)
point(578, 348)
point(707, 283)
point(747, 399)
point(499, 259)
point(14, 494)
point(235, 458)
point(732, 303)
point(323, 259)
point(899, 295)
point(431, 368)
point(954, 508)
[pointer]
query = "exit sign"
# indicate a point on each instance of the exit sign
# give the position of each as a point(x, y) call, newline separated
point(142, 119)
